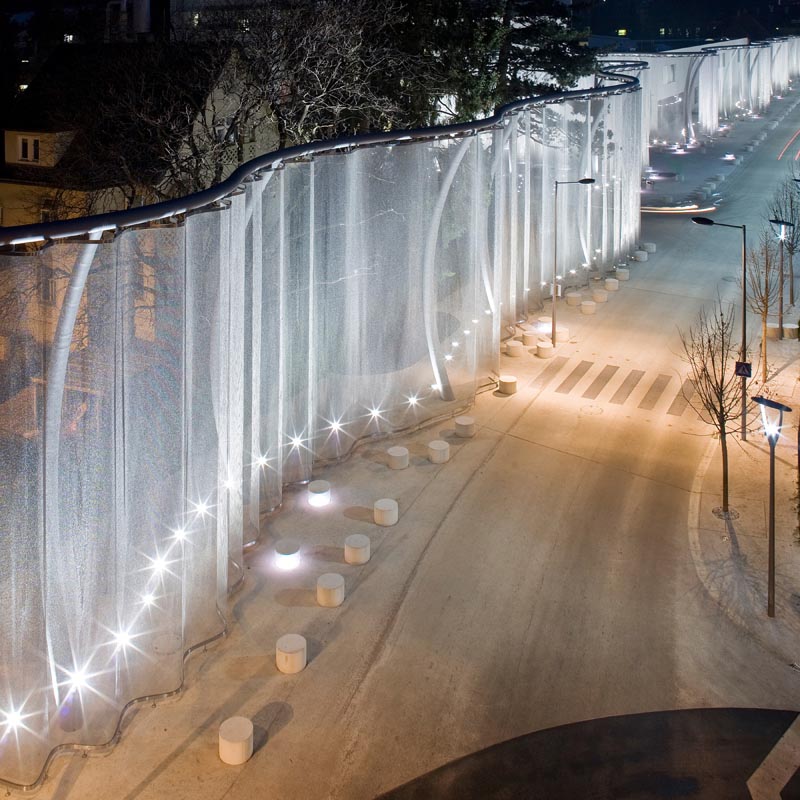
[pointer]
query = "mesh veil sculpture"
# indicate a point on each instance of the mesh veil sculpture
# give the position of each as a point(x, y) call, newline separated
point(175, 366)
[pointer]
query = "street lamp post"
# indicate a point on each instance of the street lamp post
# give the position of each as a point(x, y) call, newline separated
point(743, 349)
point(782, 224)
point(556, 184)
point(772, 430)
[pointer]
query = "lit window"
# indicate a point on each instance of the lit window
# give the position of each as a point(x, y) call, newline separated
point(23, 87)
point(662, 31)
point(622, 32)
point(29, 148)
point(196, 18)
point(69, 38)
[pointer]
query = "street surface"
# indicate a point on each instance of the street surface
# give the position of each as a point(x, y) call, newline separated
point(564, 566)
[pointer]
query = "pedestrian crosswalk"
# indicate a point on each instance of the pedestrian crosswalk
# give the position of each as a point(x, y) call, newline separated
point(616, 385)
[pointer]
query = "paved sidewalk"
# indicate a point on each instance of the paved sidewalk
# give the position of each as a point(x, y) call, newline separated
point(731, 555)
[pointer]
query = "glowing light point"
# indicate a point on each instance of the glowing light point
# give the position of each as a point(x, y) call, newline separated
point(487, 311)
point(122, 639)
point(448, 357)
point(413, 400)
point(474, 322)
point(201, 509)
point(466, 333)
point(158, 564)
point(77, 680)
point(180, 534)
point(296, 442)
point(13, 720)
point(336, 426)
point(437, 387)
point(375, 413)
point(453, 344)
point(148, 600)
point(262, 461)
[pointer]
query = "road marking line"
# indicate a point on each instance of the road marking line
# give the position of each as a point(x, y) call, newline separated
point(779, 767)
point(628, 385)
point(682, 399)
point(654, 392)
point(599, 383)
point(571, 381)
point(789, 144)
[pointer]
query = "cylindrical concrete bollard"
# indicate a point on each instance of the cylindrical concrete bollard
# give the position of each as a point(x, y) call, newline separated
point(562, 333)
point(623, 273)
point(236, 740)
point(790, 330)
point(640, 255)
point(529, 338)
point(398, 457)
point(612, 285)
point(385, 512)
point(465, 427)
point(545, 350)
point(574, 298)
point(287, 553)
point(773, 330)
point(588, 307)
point(600, 295)
point(356, 549)
point(330, 590)
point(507, 384)
point(649, 247)
point(291, 653)
point(514, 348)
point(438, 451)
point(319, 493)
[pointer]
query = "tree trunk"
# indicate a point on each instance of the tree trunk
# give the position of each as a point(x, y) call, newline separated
point(763, 349)
point(791, 277)
point(724, 442)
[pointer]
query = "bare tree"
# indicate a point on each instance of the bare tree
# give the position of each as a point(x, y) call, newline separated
point(708, 349)
point(788, 208)
point(763, 287)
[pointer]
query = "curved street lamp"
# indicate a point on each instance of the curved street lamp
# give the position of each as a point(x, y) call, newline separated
point(586, 182)
point(743, 349)
point(772, 419)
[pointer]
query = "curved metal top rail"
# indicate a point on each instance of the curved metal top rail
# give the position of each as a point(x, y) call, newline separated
point(115, 220)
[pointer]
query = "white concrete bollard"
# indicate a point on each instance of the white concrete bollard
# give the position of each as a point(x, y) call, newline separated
point(287, 554)
point(356, 549)
point(438, 451)
point(507, 384)
point(588, 307)
point(562, 333)
point(330, 590)
point(465, 427)
point(773, 330)
point(623, 274)
point(574, 298)
point(514, 348)
point(319, 493)
point(612, 285)
point(649, 247)
point(545, 350)
point(385, 512)
point(529, 338)
point(398, 457)
point(600, 295)
point(235, 740)
point(291, 653)
point(790, 330)
point(640, 255)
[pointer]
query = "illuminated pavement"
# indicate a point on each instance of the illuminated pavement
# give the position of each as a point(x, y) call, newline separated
point(556, 570)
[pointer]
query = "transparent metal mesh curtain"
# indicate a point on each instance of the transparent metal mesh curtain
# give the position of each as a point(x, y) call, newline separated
point(161, 386)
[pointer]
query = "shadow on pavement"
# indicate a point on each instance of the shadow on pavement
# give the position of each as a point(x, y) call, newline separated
point(702, 753)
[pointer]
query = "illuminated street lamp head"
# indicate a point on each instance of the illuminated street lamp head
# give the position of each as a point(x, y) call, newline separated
point(771, 417)
point(703, 221)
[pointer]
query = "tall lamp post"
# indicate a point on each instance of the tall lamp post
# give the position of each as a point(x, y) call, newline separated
point(772, 419)
point(556, 184)
point(782, 225)
point(743, 349)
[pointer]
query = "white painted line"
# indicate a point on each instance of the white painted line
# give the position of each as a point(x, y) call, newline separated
point(777, 769)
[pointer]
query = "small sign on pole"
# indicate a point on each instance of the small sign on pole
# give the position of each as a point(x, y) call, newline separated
point(744, 369)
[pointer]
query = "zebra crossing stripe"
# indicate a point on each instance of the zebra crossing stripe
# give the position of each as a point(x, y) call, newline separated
point(599, 383)
point(628, 385)
point(571, 381)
